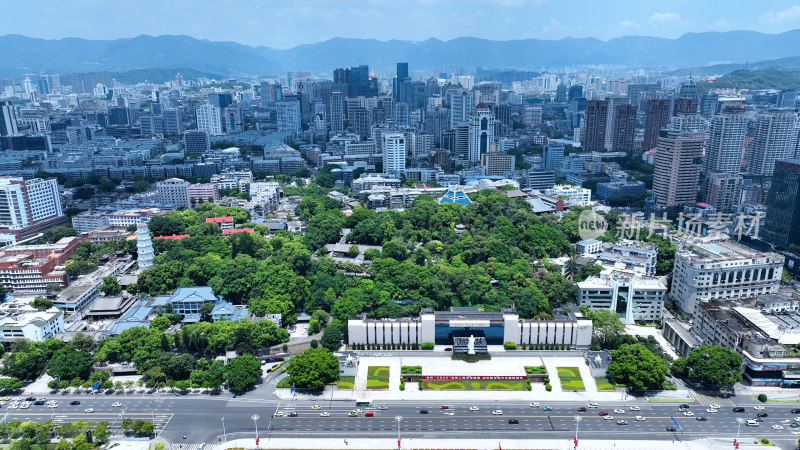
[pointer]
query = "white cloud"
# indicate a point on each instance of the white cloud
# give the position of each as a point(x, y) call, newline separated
point(628, 24)
point(553, 26)
point(792, 13)
point(665, 17)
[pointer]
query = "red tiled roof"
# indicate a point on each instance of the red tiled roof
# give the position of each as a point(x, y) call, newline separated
point(237, 230)
point(219, 219)
point(176, 237)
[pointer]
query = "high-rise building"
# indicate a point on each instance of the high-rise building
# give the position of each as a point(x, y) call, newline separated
point(684, 105)
point(174, 191)
point(656, 117)
point(561, 93)
point(725, 143)
point(575, 92)
point(786, 100)
point(497, 163)
point(460, 107)
point(708, 104)
point(289, 116)
point(27, 85)
point(394, 153)
point(462, 142)
point(782, 223)
point(220, 99)
point(29, 206)
point(624, 128)
point(233, 119)
point(209, 119)
point(337, 112)
point(594, 126)
point(481, 132)
point(43, 85)
point(196, 141)
point(774, 139)
point(173, 120)
point(639, 94)
point(552, 155)
point(677, 166)
point(722, 190)
point(688, 89)
point(401, 113)
point(8, 119)
point(144, 247)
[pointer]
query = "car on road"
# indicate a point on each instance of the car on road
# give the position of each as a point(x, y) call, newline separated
point(293, 414)
point(352, 414)
point(635, 408)
point(547, 408)
point(714, 406)
point(701, 418)
point(688, 413)
point(622, 422)
point(444, 407)
point(602, 413)
point(513, 421)
point(4, 399)
point(683, 406)
point(671, 429)
point(52, 405)
point(582, 409)
point(38, 402)
point(777, 427)
point(619, 411)
point(711, 410)
point(30, 399)
point(383, 407)
point(423, 411)
point(762, 414)
point(758, 408)
point(279, 414)
point(448, 349)
point(75, 402)
point(88, 410)
point(796, 419)
point(593, 405)
point(795, 425)
point(752, 423)
point(608, 417)
point(796, 411)
point(640, 418)
point(738, 409)
point(358, 410)
point(369, 414)
point(316, 407)
point(325, 414)
point(534, 405)
point(497, 412)
point(25, 405)
point(116, 404)
point(474, 408)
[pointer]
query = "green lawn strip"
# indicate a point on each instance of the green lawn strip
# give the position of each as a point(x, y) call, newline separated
point(475, 385)
point(603, 384)
point(535, 370)
point(378, 371)
point(782, 400)
point(411, 370)
point(663, 399)
point(570, 378)
point(346, 382)
point(377, 384)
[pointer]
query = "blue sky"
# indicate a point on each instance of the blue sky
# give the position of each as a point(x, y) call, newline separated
point(286, 23)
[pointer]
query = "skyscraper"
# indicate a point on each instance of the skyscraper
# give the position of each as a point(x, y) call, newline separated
point(725, 144)
point(594, 126)
point(677, 167)
point(173, 121)
point(29, 206)
point(196, 141)
point(688, 89)
point(337, 112)
point(209, 119)
point(394, 153)
point(575, 91)
point(782, 223)
point(460, 107)
point(624, 128)
point(401, 113)
point(684, 105)
point(708, 104)
point(220, 99)
point(289, 115)
point(561, 93)
point(723, 190)
point(552, 155)
point(233, 119)
point(361, 122)
point(174, 191)
point(8, 119)
point(481, 132)
point(774, 139)
point(656, 117)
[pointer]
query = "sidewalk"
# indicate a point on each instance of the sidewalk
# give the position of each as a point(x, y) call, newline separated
point(519, 444)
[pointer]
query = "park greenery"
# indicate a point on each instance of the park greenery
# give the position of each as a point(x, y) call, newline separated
point(710, 364)
point(313, 369)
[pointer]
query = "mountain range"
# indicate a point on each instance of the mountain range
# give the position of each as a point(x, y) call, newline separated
point(23, 55)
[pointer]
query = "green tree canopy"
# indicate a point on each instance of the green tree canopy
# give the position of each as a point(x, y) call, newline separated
point(68, 364)
point(243, 372)
point(314, 368)
point(637, 367)
point(42, 303)
point(711, 364)
point(110, 286)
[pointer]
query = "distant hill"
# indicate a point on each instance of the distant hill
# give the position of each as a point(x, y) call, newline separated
point(792, 62)
point(155, 75)
point(23, 55)
point(772, 78)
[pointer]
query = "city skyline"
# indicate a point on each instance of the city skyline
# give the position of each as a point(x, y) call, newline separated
point(273, 25)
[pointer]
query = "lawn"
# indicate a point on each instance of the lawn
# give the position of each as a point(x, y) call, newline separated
point(603, 384)
point(531, 370)
point(377, 384)
point(474, 385)
point(378, 372)
point(346, 382)
point(411, 369)
point(570, 379)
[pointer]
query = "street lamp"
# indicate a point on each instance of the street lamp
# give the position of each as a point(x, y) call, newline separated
point(224, 435)
point(255, 418)
point(740, 420)
point(577, 421)
point(398, 418)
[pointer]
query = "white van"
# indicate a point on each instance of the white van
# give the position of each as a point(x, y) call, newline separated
point(752, 423)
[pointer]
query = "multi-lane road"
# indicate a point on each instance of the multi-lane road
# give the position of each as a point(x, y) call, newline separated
point(200, 419)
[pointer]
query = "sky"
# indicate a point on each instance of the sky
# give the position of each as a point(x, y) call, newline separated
point(287, 23)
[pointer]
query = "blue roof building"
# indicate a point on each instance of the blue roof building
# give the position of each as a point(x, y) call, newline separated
point(456, 196)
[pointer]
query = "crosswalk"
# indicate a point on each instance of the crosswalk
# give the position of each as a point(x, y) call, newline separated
point(706, 400)
point(200, 446)
point(160, 421)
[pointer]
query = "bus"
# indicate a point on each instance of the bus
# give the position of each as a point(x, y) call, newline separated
point(365, 403)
